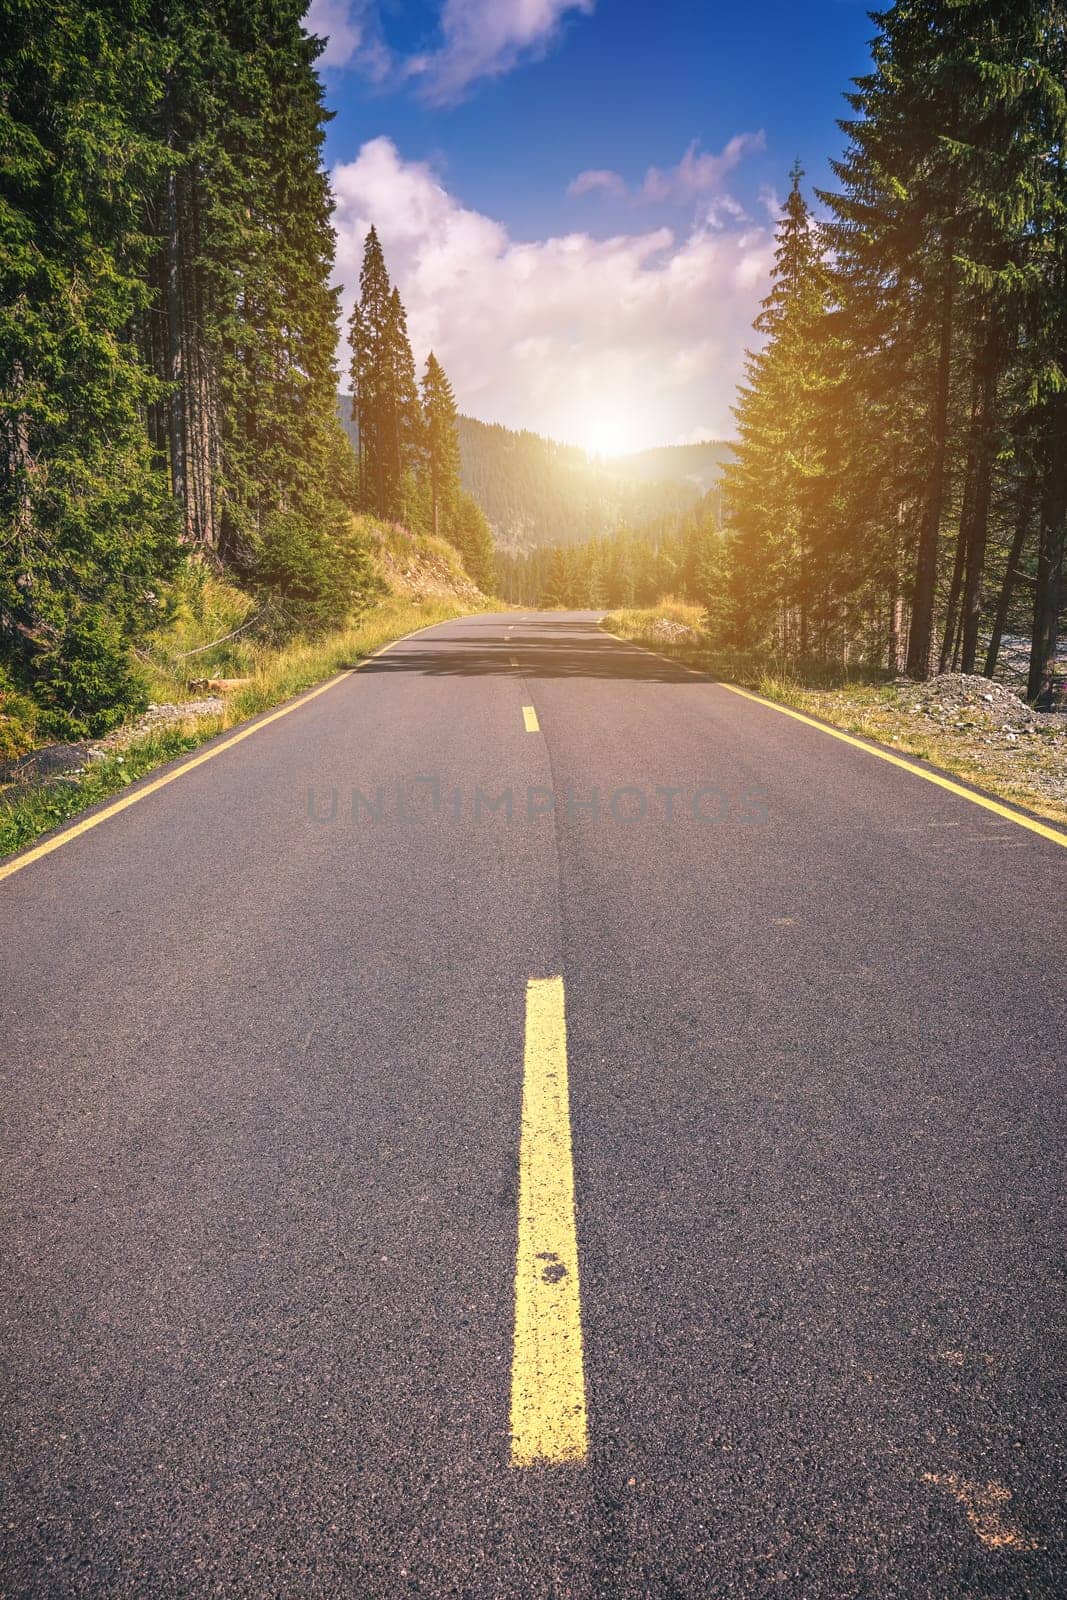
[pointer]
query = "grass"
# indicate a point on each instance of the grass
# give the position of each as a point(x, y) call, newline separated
point(632, 624)
point(875, 710)
point(274, 676)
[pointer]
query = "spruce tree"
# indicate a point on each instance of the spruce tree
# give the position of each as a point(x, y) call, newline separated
point(473, 539)
point(405, 434)
point(781, 444)
point(442, 445)
point(86, 534)
point(371, 396)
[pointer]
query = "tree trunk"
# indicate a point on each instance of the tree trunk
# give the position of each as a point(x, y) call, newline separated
point(896, 632)
point(1050, 549)
point(173, 370)
point(983, 451)
point(1022, 527)
point(949, 636)
point(922, 616)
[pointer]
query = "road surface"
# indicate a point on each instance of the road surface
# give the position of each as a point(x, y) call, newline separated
point(789, 1270)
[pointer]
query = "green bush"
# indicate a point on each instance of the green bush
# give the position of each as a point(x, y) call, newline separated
point(89, 684)
point(18, 719)
point(314, 572)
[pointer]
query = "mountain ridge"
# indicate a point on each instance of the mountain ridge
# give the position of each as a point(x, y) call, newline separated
point(537, 491)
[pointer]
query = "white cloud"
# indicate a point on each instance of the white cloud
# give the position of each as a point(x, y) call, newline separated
point(597, 178)
point(485, 38)
point(772, 205)
point(478, 39)
point(638, 337)
point(699, 174)
point(340, 23)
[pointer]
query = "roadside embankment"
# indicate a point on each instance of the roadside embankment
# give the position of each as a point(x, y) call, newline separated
point(211, 668)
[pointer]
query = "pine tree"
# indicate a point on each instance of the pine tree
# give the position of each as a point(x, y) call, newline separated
point(442, 445)
point(87, 537)
point(781, 444)
point(385, 398)
point(473, 539)
point(404, 425)
point(557, 593)
point(370, 373)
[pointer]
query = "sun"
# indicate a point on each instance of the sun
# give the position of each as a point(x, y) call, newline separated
point(610, 433)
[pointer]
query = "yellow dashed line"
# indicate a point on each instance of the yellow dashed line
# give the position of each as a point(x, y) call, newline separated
point(548, 1416)
point(529, 717)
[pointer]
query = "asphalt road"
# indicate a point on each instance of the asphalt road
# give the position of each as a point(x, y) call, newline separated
point(262, 1077)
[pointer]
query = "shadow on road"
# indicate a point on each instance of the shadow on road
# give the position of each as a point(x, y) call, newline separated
point(561, 649)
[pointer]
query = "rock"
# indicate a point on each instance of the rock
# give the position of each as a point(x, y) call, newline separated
point(671, 632)
point(48, 762)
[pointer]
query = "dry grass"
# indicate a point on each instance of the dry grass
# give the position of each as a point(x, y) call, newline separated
point(274, 676)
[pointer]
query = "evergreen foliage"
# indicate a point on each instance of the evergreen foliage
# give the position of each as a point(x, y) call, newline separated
point(900, 492)
point(680, 556)
point(87, 534)
point(442, 445)
point(167, 334)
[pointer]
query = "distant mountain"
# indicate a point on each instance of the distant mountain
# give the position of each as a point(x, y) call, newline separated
point(698, 464)
point(537, 492)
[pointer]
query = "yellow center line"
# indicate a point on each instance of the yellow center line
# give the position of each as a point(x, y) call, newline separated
point(548, 1417)
point(529, 717)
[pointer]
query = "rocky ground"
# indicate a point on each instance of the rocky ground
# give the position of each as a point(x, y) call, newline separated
point(421, 573)
point(979, 728)
point(70, 760)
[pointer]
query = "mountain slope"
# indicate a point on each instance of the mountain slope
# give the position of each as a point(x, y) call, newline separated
point(535, 491)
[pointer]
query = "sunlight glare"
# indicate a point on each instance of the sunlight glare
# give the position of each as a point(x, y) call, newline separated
point(610, 432)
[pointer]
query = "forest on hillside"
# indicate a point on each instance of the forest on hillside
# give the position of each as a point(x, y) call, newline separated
point(677, 555)
point(537, 492)
point(899, 496)
point(168, 337)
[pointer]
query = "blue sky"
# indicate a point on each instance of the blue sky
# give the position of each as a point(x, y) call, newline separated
point(576, 197)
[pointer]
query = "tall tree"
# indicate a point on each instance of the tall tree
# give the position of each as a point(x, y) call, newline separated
point(442, 444)
point(86, 534)
point(405, 436)
point(371, 399)
point(473, 538)
point(780, 446)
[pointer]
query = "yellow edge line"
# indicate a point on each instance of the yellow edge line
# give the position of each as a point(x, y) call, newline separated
point(548, 1412)
point(35, 852)
point(987, 804)
point(529, 717)
point(907, 766)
